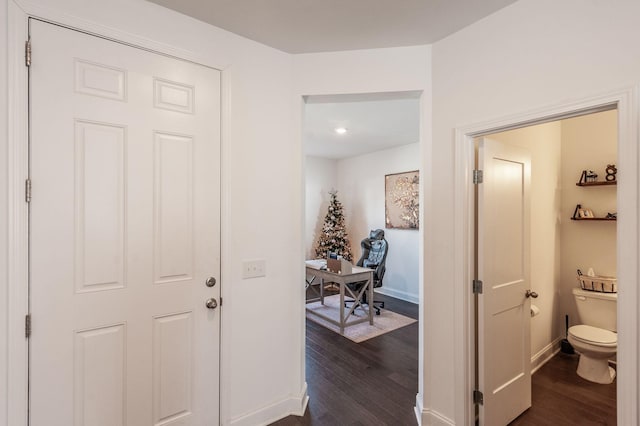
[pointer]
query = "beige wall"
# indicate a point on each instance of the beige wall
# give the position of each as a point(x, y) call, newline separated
point(588, 142)
point(544, 143)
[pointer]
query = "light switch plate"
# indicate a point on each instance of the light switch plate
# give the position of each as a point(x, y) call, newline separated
point(254, 268)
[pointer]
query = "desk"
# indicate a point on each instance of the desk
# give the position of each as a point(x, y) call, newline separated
point(357, 274)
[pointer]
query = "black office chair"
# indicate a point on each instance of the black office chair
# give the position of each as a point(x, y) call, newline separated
point(374, 256)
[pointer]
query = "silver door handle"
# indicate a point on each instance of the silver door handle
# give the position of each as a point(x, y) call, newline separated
point(211, 303)
point(530, 293)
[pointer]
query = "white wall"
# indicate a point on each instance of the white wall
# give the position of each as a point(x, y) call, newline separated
point(361, 189)
point(531, 54)
point(321, 176)
point(544, 144)
point(588, 142)
point(262, 371)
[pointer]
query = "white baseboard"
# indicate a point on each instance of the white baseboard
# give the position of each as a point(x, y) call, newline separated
point(418, 409)
point(295, 406)
point(402, 295)
point(545, 354)
point(429, 417)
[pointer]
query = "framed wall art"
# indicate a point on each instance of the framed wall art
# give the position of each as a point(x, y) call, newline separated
point(402, 207)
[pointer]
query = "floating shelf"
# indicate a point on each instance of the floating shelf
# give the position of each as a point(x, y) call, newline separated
point(601, 183)
point(595, 218)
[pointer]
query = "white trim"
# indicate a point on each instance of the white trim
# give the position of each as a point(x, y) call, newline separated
point(398, 294)
point(418, 409)
point(627, 227)
point(295, 406)
point(431, 418)
point(54, 15)
point(545, 354)
point(226, 108)
point(17, 244)
point(17, 171)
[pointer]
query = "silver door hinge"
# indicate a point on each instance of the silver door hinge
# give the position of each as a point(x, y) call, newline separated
point(477, 176)
point(27, 53)
point(27, 190)
point(477, 287)
point(27, 326)
point(478, 397)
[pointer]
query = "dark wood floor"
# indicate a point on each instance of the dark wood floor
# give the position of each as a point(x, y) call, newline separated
point(370, 383)
point(376, 382)
point(560, 397)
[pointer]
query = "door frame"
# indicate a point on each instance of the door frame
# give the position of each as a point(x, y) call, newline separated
point(626, 102)
point(18, 14)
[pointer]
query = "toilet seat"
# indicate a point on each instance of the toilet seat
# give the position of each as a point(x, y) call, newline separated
point(594, 336)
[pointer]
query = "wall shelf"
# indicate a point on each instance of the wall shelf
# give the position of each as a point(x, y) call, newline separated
point(600, 183)
point(582, 182)
point(595, 218)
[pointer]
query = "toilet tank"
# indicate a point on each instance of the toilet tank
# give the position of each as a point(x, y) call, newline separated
point(596, 309)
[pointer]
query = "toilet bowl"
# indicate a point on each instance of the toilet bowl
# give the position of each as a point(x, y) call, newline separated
point(595, 338)
point(596, 346)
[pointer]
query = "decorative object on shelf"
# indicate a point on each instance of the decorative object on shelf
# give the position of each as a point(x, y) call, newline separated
point(582, 213)
point(611, 172)
point(586, 179)
point(593, 282)
point(402, 207)
point(333, 237)
point(588, 176)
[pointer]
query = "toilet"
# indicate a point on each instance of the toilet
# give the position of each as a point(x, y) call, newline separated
point(595, 338)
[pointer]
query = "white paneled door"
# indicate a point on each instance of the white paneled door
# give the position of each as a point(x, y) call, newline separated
point(504, 346)
point(124, 234)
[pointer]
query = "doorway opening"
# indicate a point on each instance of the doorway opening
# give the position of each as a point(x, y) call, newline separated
point(571, 226)
point(627, 240)
point(352, 144)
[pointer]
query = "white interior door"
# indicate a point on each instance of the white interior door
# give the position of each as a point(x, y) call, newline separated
point(504, 267)
point(124, 232)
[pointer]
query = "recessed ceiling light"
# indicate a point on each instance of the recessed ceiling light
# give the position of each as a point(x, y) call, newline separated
point(341, 130)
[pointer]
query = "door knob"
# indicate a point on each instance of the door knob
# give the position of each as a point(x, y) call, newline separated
point(211, 303)
point(210, 282)
point(530, 293)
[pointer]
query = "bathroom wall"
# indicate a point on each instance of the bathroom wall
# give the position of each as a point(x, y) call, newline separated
point(544, 143)
point(588, 142)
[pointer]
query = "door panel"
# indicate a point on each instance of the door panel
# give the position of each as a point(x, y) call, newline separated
point(124, 232)
point(503, 265)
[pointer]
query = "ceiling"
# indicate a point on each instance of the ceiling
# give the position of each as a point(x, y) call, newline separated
point(305, 26)
point(373, 121)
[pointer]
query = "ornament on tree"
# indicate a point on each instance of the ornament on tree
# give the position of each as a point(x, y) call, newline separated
point(333, 236)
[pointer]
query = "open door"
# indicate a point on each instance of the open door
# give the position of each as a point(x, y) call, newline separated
point(504, 346)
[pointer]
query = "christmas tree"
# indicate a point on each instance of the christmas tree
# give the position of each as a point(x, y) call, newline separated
point(334, 236)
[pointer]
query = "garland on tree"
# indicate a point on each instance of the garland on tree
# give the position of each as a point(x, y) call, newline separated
point(334, 236)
